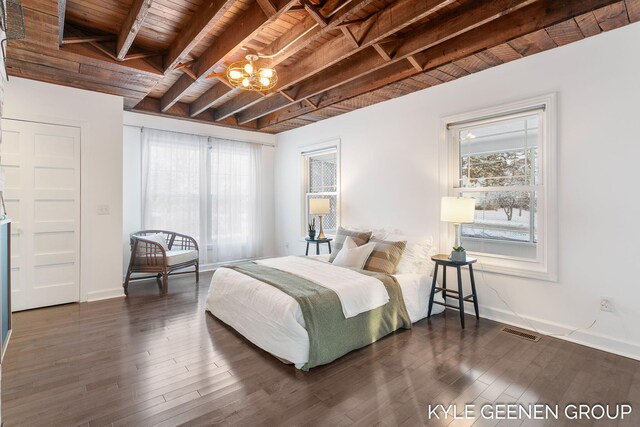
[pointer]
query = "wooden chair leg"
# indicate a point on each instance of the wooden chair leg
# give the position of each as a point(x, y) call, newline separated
point(125, 285)
point(165, 283)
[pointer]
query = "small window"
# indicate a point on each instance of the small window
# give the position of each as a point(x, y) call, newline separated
point(321, 181)
point(503, 161)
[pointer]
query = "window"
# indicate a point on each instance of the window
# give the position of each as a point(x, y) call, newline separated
point(207, 188)
point(321, 181)
point(502, 158)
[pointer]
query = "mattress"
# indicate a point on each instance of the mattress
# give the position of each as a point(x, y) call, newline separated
point(273, 320)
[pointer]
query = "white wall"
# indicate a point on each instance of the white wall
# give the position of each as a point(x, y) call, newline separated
point(132, 179)
point(390, 178)
point(100, 118)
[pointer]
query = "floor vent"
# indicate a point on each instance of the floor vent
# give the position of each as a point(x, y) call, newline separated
point(521, 334)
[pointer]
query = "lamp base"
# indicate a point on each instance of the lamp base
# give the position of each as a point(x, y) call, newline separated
point(321, 235)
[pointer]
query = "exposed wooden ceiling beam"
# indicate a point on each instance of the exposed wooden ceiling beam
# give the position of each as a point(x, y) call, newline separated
point(413, 61)
point(203, 102)
point(104, 50)
point(143, 66)
point(380, 78)
point(183, 65)
point(268, 7)
point(140, 55)
point(310, 104)
point(88, 39)
point(390, 20)
point(62, 8)
point(290, 43)
point(382, 52)
point(108, 52)
point(314, 13)
point(244, 28)
point(202, 22)
point(131, 27)
point(97, 39)
point(368, 60)
point(529, 19)
point(180, 110)
point(349, 35)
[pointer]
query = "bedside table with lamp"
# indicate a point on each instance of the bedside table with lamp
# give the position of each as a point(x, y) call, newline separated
point(455, 210)
point(318, 207)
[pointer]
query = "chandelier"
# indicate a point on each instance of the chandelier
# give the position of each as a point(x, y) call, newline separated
point(247, 75)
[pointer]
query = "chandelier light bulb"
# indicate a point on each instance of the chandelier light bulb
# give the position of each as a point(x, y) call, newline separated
point(265, 81)
point(266, 72)
point(248, 68)
point(235, 74)
point(246, 82)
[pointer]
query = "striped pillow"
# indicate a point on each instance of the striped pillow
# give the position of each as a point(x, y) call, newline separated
point(359, 237)
point(385, 256)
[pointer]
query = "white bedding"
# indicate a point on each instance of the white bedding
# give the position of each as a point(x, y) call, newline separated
point(273, 321)
point(357, 292)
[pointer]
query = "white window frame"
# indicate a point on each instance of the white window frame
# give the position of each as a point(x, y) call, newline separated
point(545, 266)
point(305, 152)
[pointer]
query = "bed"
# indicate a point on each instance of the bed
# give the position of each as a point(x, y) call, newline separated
point(274, 321)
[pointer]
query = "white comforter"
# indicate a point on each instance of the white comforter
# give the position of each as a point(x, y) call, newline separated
point(273, 320)
point(358, 293)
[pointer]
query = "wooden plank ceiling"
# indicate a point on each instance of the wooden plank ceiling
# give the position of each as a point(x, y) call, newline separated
point(168, 57)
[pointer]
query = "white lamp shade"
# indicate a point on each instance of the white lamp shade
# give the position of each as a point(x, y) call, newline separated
point(458, 210)
point(319, 206)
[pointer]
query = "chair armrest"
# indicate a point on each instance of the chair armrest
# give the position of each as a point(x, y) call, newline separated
point(184, 242)
point(148, 253)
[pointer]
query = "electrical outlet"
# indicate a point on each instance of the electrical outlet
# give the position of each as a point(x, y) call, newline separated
point(606, 304)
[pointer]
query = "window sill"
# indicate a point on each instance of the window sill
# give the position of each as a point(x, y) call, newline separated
point(514, 267)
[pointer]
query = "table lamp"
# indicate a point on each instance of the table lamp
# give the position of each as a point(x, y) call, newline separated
point(457, 210)
point(320, 207)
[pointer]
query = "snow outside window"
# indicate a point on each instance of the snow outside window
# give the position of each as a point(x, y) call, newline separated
point(502, 159)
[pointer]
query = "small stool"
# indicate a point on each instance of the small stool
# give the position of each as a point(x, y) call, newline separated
point(444, 261)
point(317, 242)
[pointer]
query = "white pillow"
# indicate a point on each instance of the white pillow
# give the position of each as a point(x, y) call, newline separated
point(353, 256)
point(416, 258)
point(156, 238)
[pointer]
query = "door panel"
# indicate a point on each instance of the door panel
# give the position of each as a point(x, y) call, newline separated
point(42, 194)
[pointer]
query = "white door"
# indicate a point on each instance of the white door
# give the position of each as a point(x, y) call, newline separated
point(42, 196)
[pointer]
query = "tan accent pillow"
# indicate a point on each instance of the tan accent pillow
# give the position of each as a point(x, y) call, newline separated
point(385, 256)
point(359, 237)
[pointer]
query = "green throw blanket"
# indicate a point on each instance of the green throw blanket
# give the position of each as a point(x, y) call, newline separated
point(330, 334)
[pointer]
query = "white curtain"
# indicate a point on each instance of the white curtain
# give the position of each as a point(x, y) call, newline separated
point(208, 188)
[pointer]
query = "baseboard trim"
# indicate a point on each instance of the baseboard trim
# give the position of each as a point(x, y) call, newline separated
point(109, 293)
point(584, 337)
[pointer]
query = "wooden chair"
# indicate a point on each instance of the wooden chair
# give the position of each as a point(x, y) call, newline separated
point(162, 252)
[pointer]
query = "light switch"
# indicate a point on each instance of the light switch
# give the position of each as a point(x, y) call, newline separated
point(104, 210)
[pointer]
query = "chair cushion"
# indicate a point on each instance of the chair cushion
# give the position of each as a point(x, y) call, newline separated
point(179, 256)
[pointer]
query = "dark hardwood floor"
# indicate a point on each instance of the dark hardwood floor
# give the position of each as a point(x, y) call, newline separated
point(151, 360)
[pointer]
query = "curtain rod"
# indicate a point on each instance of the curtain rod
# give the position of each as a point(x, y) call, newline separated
point(204, 136)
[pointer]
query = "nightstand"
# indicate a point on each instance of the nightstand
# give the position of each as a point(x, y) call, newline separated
point(317, 242)
point(444, 262)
